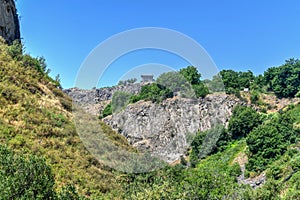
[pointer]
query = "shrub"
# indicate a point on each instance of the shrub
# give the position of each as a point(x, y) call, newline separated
point(254, 97)
point(152, 92)
point(200, 90)
point(207, 143)
point(243, 121)
point(107, 111)
point(24, 177)
point(269, 141)
point(177, 83)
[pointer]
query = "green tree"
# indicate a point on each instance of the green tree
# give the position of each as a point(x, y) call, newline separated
point(265, 144)
point(152, 92)
point(191, 74)
point(254, 97)
point(230, 80)
point(216, 84)
point(269, 141)
point(176, 82)
point(245, 79)
point(200, 90)
point(235, 81)
point(243, 121)
point(284, 80)
point(128, 81)
point(207, 143)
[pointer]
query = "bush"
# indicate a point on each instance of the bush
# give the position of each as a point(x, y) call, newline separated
point(284, 80)
point(200, 90)
point(107, 111)
point(254, 97)
point(152, 92)
point(207, 143)
point(177, 83)
point(24, 177)
point(269, 141)
point(243, 121)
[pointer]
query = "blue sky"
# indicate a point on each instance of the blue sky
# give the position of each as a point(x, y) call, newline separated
point(237, 34)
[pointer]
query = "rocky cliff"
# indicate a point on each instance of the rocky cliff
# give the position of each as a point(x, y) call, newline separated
point(94, 101)
point(9, 21)
point(165, 129)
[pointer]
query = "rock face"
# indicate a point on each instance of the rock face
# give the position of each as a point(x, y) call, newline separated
point(9, 21)
point(83, 96)
point(165, 129)
point(94, 101)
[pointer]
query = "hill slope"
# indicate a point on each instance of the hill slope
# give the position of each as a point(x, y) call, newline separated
point(36, 118)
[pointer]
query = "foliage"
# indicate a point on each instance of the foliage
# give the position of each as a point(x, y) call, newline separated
point(128, 81)
point(106, 111)
point(24, 177)
point(216, 84)
point(177, 83)
point(35, 118)
point(243, 121)
point(191, 74)
point(254, 97)
point(29, 177)
point(152, 92)
point(208, 142)
point(119, 101)
point(200, 90)
point(16, 50)
point(213, 178)
point(270, 140)
point(69, 193)
point(235, 81)
point(284, 80)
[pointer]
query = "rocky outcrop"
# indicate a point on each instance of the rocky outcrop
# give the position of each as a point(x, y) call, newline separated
point(94, 101)
point(165, 129)
point(83, 96)
point(9, 21)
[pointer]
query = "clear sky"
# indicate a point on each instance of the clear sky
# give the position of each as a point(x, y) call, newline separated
point(238, 34)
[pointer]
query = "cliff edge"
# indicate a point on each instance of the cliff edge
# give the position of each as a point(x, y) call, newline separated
point(9, 21)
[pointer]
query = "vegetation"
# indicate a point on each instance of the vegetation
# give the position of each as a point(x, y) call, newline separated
point(106, 111)
point(207, 143)
point(186, 83)
point(128, 81)
point(284, 80)
point(29, 177)
point(236, 81)
point(270, 140)
point(35, 120)
point(176, 83)
point(50, 162)
point(152, 92)
point(243, 121)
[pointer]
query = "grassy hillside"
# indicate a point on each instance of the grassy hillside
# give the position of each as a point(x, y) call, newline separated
point(36, 118)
